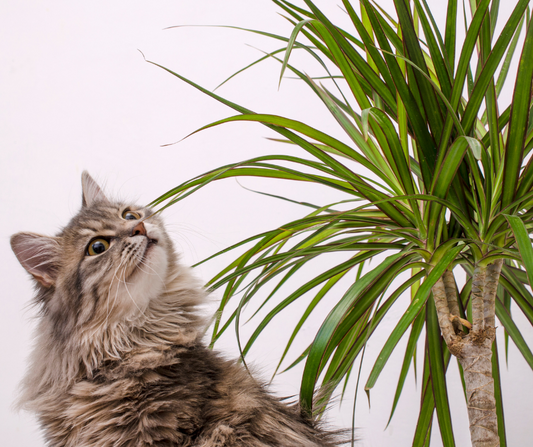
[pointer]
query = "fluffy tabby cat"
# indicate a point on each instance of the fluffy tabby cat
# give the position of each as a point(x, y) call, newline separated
point(119, 359)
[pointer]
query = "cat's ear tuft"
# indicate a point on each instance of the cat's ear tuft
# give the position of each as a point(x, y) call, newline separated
point(39, 255)
point(91, 191)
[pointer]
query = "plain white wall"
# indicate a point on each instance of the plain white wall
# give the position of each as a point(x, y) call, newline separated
point(77, 94)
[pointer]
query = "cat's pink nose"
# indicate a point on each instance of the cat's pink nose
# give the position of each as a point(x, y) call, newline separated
point(139, 230)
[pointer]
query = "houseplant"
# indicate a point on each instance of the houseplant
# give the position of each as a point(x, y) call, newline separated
point(434, 178)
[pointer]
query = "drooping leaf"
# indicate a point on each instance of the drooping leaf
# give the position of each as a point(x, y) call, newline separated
point(411, 313)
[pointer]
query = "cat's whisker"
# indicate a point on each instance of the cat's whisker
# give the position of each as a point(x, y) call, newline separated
point(105, 322)
point(109, 291)
point(142, 262)
point(131, 297)
point(117, 290)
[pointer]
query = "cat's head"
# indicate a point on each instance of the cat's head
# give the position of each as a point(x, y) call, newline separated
point(105, 266)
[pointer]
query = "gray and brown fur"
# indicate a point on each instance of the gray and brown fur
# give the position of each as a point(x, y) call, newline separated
point(119, 359)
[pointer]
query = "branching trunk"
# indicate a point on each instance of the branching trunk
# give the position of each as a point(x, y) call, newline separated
point(473, 351)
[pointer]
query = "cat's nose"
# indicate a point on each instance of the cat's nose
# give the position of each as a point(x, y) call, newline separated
point(139, 230)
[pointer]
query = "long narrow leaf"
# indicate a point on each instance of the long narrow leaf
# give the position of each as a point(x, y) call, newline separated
point(322, 339)
point(524, 244)
point(411, 313)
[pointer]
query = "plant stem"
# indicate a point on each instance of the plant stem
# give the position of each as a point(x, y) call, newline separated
point(474, 352)
point(475, 358)
point(443, 313)
point(489, 294)
point(478, 286)
point(451, 297)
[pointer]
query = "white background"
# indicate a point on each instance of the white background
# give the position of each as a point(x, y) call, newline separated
point(76, 94)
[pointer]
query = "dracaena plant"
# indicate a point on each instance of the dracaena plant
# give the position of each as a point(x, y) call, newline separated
point(434, 179)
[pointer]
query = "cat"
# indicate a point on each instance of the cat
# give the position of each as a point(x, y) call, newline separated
point(119, 359)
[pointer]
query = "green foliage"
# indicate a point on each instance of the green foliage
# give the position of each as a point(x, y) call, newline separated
point(435, 177)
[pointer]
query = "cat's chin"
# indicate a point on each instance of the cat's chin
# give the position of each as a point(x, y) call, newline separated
point(146, 282)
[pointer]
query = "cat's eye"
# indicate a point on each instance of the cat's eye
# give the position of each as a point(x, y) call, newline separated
point(130, 215)
point(97, 246)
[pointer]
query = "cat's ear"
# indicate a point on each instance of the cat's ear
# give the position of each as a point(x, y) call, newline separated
point(91, 191)
point(39, 255)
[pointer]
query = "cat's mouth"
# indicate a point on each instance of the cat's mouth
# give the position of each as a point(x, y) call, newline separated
point(151, 242)
point(143, 256)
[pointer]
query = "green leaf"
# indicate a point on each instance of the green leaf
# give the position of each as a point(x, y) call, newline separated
point(518, 126)
point(450, 33)
point(330, 324)
point(291, 44)
point(430, 103)
point(435, 46)
point(347, 351)
point(507, 321)
point(426, 144)
point(449, 166)
point(491, 65)
point(410, 314)
point(523, 241)
point(425, 416)
point(281, 122)
point(438, 371)
point(410, 349)
point(353, 56)
point(316, 299)
point(518, 292)
point(334, 272)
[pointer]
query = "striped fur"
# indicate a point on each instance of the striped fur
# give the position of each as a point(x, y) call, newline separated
point(119, 359)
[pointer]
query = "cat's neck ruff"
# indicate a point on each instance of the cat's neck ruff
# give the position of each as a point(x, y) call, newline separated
point(174, 318)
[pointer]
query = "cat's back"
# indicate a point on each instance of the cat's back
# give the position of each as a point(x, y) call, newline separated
point(183, 396)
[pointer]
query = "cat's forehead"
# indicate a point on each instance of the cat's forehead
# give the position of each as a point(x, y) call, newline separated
point(103, 216)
